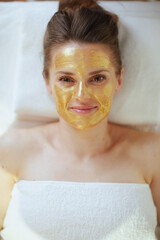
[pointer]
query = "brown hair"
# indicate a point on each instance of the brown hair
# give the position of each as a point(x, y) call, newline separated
point(82, 21)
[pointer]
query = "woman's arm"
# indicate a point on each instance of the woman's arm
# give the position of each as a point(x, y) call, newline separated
point(155, 184)
point(8, 156)
point(157, 232)
point(6, 185)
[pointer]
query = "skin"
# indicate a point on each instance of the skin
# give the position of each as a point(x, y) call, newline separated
point(84, 136)
point(80, 60)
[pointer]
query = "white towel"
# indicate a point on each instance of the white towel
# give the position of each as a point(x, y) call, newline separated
point(59, 210)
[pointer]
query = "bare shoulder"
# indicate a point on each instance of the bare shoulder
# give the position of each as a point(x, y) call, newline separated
point(143, 147)
point(148, 143)
point(15, 146)
point(145, 140)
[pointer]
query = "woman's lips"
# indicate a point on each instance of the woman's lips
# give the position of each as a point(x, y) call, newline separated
point(83, 110)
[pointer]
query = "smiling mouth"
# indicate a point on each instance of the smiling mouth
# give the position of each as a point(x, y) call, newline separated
point(83, 107)
point(82, 110)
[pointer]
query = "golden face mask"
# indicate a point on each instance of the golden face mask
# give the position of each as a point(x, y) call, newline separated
point(82, 89)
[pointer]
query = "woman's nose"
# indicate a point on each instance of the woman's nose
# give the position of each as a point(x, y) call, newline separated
point(81, 91)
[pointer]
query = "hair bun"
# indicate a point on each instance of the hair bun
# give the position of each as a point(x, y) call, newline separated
point(64, 5)
point(72, 4)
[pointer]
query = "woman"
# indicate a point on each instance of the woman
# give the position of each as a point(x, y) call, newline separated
point(82, 177)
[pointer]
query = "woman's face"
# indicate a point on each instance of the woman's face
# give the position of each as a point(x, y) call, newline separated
point(82, 75)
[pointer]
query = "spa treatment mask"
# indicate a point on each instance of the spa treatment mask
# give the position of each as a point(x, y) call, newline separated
point(82, 85)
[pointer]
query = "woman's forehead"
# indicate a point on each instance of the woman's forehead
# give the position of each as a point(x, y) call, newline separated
point(81, 56)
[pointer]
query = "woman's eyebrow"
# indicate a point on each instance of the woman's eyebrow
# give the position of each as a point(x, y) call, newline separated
point(91, 73)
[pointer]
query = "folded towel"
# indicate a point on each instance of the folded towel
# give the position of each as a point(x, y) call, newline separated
point(59, 210)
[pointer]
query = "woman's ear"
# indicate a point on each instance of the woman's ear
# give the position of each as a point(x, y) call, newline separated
point(119, 81)
point(47, 82)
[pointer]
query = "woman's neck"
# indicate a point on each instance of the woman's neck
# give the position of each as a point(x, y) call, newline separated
point(84, 143)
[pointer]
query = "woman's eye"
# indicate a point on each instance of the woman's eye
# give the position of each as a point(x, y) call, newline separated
point(98, 78)
point(65, 79)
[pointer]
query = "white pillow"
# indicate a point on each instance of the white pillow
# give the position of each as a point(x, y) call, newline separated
point(10, 36)
point(137, 103)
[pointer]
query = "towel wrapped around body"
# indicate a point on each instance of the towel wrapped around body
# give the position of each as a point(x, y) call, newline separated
point(56, 210)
